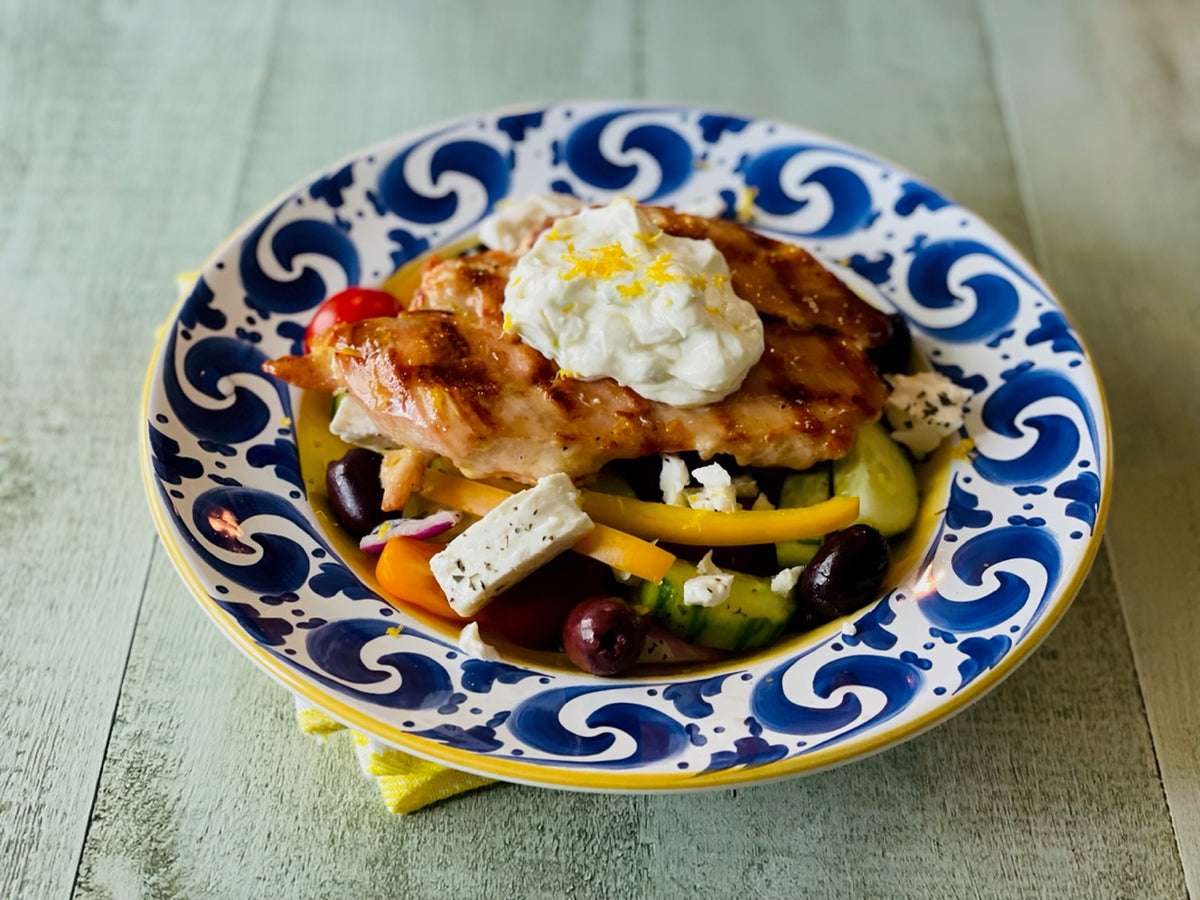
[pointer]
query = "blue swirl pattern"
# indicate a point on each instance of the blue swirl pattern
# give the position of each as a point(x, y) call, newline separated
point(307, 288)
point(539, 723)
point(480, 161)
point(587, 160)
point(986, 553)
point(850, 198)
point(1020, 515)
point(1058, 438)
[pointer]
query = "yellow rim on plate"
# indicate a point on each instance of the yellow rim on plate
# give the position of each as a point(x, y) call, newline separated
point(581, 776)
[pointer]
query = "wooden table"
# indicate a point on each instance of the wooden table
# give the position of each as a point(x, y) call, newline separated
point(143, 756)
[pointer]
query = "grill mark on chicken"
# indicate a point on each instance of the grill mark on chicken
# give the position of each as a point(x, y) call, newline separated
point(444, 378)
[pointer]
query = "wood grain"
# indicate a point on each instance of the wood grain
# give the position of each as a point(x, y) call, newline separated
point(98, 112)
point(209, 790)
point(143, 756)
point(907, 81)
point(1111, 166)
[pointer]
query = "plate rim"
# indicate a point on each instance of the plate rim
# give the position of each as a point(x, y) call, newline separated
point(583, 778)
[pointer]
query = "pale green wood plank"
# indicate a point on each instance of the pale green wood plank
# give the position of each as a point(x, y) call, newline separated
point(1045, 788)
point(208, 788)
point(913, 82)
point(100, 108)
point(1105, 99)
point(375, 70)
point(908, 81)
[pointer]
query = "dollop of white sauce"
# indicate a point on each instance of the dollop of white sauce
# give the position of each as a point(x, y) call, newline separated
point(606, 293)
point(514, 218)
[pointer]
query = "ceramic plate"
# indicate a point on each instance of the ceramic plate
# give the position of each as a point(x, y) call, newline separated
point(1012, 516)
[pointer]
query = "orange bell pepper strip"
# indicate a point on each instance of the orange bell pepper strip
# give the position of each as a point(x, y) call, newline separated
point(609, 546)
point(403, 571)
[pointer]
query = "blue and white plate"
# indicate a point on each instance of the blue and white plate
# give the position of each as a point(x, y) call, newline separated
point(1012, 521)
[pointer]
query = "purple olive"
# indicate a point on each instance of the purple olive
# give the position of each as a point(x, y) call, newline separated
point(604, 635)
point(355, 492)
point(843, 575)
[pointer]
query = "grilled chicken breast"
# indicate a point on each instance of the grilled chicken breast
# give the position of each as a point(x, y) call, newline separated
point(442, 377)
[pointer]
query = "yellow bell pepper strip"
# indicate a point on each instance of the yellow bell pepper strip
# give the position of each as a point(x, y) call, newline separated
point(456, 492)
point(602, 543)
point(683, 525)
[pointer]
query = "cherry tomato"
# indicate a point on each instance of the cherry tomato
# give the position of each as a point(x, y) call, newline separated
point(350, 305)
point(531, 612)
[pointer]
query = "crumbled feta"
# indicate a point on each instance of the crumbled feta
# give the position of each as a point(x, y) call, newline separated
point(673, 480)
point(471, 643)
point(923, 409)
point(710, 586)
point(706, 566)
point(785, 580)
point(744, 486)
point(707, 590)
point(762, 502)
point(520, 535)
point(351, 423)
point(514, 218)
point(717, 493)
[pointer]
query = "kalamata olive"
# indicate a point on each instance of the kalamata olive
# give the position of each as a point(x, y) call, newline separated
point(842, 576)
point(753, 559)
point(894, 355)
point(604, 635)
point(354, 490)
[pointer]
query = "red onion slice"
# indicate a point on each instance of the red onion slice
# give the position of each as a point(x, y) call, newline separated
point(422, 528)
point(664, 647)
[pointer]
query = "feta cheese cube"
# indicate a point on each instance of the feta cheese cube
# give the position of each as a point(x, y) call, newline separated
point(520, 535)
point(745, 487)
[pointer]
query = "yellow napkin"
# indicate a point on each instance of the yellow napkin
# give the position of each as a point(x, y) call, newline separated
point(406, 782)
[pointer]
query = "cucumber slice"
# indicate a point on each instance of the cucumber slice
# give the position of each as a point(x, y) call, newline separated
point(612, 483)
point(805, 488)
point(752, 616)
point(796, 553)
point(878, 472)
